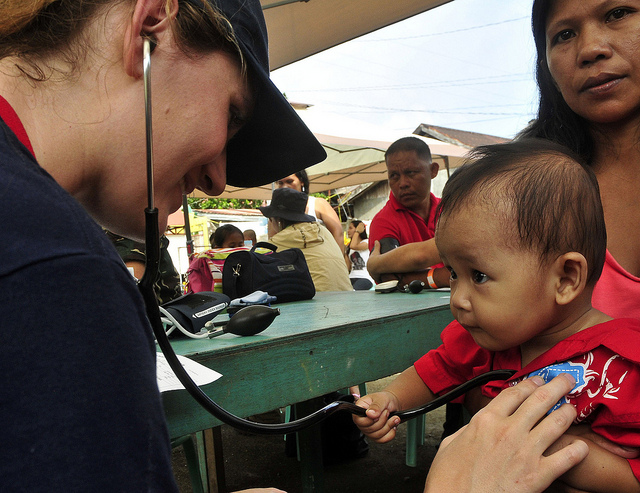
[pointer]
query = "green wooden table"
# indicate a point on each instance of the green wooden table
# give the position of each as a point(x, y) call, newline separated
point(314, 347)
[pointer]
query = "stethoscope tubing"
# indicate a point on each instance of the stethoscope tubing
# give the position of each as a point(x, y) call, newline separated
point(146, 287)
point(303, 423)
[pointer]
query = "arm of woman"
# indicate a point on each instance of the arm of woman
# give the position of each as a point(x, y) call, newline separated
point(347, 259)
point(357, 243)
point(602, 471)
point(503, 446)
point(325, 212)
point(584, 431)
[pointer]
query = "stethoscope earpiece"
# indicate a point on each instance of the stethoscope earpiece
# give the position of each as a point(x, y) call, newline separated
point(151, 40)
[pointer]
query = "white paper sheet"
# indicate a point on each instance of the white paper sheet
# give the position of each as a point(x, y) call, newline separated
point(167, 380)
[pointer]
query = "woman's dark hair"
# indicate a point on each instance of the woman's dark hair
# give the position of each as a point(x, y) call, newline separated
point(552, 200)
point(356, 223)
point(555, 121)
point(304, 179)
point(220, 235)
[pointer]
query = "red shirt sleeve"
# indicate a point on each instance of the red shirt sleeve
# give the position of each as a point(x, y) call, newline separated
point(457, 360)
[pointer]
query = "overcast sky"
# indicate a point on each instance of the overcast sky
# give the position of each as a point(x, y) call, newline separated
point(466, 65)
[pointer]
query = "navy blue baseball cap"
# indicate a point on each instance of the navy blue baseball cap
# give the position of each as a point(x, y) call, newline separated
point(275, 142)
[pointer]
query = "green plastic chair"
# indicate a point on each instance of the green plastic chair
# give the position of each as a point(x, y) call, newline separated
point(193, 446)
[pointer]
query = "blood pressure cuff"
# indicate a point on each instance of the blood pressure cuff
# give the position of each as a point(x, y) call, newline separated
point(387, 244)
point(193, 310)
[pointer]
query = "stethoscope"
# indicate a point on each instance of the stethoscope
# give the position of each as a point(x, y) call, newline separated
point(152, 242)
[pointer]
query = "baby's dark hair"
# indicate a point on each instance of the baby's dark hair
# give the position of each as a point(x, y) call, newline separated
point(554, 198)
point(219, 236)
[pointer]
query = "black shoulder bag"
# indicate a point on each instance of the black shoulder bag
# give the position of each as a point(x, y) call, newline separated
point(282, 274)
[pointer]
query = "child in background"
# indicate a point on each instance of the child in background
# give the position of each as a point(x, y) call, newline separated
point(522, 233)
point(357, 254)
point(249, 237)
point(227, 236)
point(205, 268)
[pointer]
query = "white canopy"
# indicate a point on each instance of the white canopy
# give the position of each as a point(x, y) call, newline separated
point(351, 161)
point(300, 28)
point(355, 150)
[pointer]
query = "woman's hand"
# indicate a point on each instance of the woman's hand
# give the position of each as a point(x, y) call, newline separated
point(502, 448)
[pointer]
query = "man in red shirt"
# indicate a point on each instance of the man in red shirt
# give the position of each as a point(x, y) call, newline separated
point(410, 214)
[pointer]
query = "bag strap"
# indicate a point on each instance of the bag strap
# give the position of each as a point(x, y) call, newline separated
point(264, 244)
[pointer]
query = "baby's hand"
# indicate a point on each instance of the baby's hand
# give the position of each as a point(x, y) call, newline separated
point(377, 425)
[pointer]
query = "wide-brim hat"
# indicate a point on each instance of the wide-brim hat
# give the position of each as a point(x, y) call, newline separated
point(288, 204)
point(275, 142)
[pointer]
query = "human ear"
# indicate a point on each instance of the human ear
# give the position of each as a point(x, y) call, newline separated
point(435, 167)
point(571, 272)
point(152, 19)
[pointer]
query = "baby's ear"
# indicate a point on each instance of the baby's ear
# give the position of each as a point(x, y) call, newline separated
point(572, 271)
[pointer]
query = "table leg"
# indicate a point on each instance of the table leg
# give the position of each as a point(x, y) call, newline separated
point(310, 449)
point(215, 460)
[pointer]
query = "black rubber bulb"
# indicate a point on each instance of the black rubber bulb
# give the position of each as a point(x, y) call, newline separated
point(251, 320)
point(416, 286)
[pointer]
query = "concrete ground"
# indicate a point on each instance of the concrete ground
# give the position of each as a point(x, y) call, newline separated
point(252, 461)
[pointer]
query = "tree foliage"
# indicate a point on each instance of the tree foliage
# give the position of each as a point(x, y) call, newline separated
point(217, 203)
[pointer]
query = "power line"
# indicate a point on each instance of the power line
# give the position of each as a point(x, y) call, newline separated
point(422, 110)
point(367, 39)
point(493, 79)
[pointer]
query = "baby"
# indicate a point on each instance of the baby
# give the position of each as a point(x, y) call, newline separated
point(522, 232)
